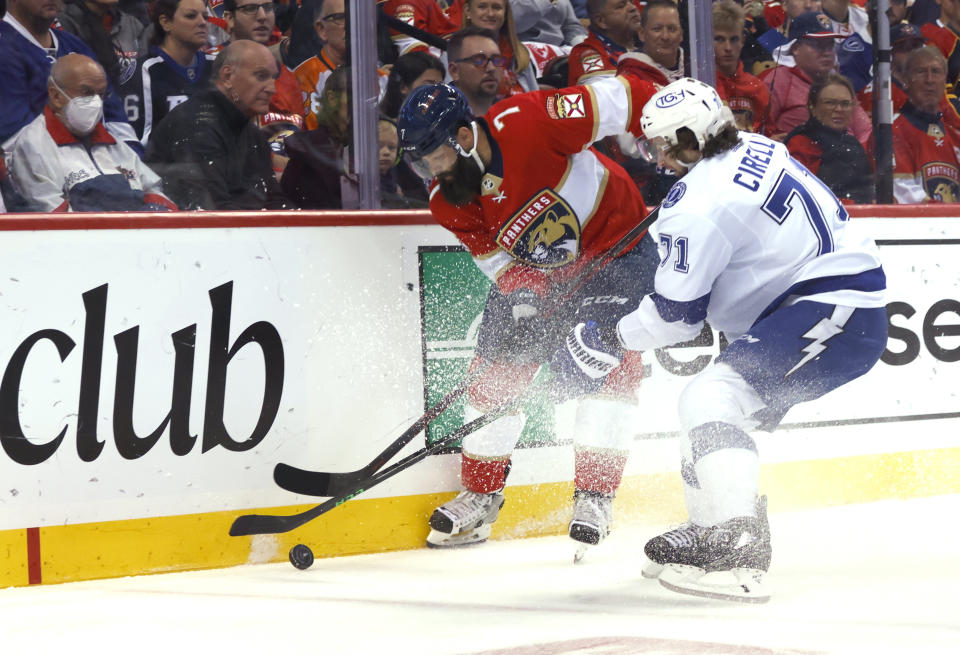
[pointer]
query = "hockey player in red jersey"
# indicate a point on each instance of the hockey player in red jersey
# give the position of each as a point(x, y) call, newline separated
point(523, 190)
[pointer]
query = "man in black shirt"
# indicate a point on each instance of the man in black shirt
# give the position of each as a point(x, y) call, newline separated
point(210, 152)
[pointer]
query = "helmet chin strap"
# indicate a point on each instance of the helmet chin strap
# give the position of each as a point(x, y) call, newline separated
point(685, 164)
point(473, 151)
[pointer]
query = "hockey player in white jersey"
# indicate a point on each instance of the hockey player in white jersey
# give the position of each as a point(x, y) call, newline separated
point(755, 244)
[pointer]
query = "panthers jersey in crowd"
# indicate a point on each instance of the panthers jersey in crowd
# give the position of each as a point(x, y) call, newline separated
point(548, 199)
point(926, 159)
point(158, 85)
point(595, 56)
point(746, 96)
point(437, 17)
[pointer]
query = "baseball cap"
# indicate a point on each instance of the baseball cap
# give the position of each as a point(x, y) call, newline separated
point(905, 32)
point(814, 25)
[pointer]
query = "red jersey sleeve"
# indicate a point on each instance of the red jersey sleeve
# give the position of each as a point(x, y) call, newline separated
point(806, 152)
point(570, 120)
point(586, 62)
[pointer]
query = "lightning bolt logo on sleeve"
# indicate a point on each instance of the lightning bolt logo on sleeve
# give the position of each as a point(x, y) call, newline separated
point(821, 332)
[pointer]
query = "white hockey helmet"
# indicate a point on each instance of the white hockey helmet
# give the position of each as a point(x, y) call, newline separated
point(686, 103)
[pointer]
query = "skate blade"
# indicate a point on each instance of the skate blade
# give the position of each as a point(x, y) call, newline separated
point(740, 586)
point(580, 553)
point(438, 539)
point(652, 570)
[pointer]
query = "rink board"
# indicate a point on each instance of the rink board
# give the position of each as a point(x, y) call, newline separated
point(154, 376)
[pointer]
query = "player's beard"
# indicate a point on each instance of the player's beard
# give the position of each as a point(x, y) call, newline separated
point(462, 182)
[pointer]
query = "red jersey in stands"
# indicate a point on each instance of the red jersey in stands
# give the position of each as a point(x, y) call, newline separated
point(543, 54)
point(925, 158)
point(431, 16)
point(948, 43)
point(596, 55)
point(746, 96)
point(548, 201)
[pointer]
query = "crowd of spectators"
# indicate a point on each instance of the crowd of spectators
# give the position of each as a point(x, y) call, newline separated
point(244, 104)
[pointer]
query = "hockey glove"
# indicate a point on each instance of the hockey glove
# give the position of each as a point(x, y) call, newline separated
point(584, 361)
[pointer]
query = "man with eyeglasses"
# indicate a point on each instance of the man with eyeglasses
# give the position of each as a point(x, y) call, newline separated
point(250, 19)
point(253, 20)
point(926, 166)
point(476, 66)
point(65, 160)
point(330, 23)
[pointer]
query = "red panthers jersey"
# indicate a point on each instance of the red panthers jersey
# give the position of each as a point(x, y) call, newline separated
point(925, 159)
point(428, 15)
point(548, 200)
point(746, 96)
point(592, 57)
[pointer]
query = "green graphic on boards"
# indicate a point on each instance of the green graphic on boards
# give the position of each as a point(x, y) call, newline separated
point(453, 294)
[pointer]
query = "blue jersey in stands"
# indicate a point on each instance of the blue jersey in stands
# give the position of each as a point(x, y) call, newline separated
point(158, 85)
point(23, 79)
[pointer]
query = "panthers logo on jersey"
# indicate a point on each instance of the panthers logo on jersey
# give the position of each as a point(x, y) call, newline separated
point(940, 182)
point(544, 232)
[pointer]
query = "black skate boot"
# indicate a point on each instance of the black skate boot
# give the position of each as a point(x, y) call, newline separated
point(592, 516)
point(467, 519)
point(679, 545)
point(737, 550)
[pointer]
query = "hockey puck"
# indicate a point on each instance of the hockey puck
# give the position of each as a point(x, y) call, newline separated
point(301, 556)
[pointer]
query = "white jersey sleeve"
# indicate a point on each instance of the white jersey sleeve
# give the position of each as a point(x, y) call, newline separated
point(694, 251)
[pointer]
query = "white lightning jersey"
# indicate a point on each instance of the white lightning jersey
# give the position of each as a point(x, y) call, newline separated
point(743, 233)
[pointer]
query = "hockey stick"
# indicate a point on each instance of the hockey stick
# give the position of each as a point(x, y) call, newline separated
point(250, 524)
point(326, 483)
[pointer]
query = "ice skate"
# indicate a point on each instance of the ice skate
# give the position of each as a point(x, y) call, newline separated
point(592, 516)
point(728, 561)
point(467, 519)
point(677, 545)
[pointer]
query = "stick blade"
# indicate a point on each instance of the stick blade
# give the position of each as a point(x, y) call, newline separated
point(250, 524)
point(299, 481)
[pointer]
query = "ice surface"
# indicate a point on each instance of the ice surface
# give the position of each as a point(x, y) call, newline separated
point(876, 578)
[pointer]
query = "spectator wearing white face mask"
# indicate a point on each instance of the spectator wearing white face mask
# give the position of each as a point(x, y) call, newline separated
point(65, 160)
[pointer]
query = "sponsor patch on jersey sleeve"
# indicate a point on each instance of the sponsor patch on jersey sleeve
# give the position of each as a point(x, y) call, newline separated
point(566, 105)
point(405, 13)
point(592, 62)
point(674, 194)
